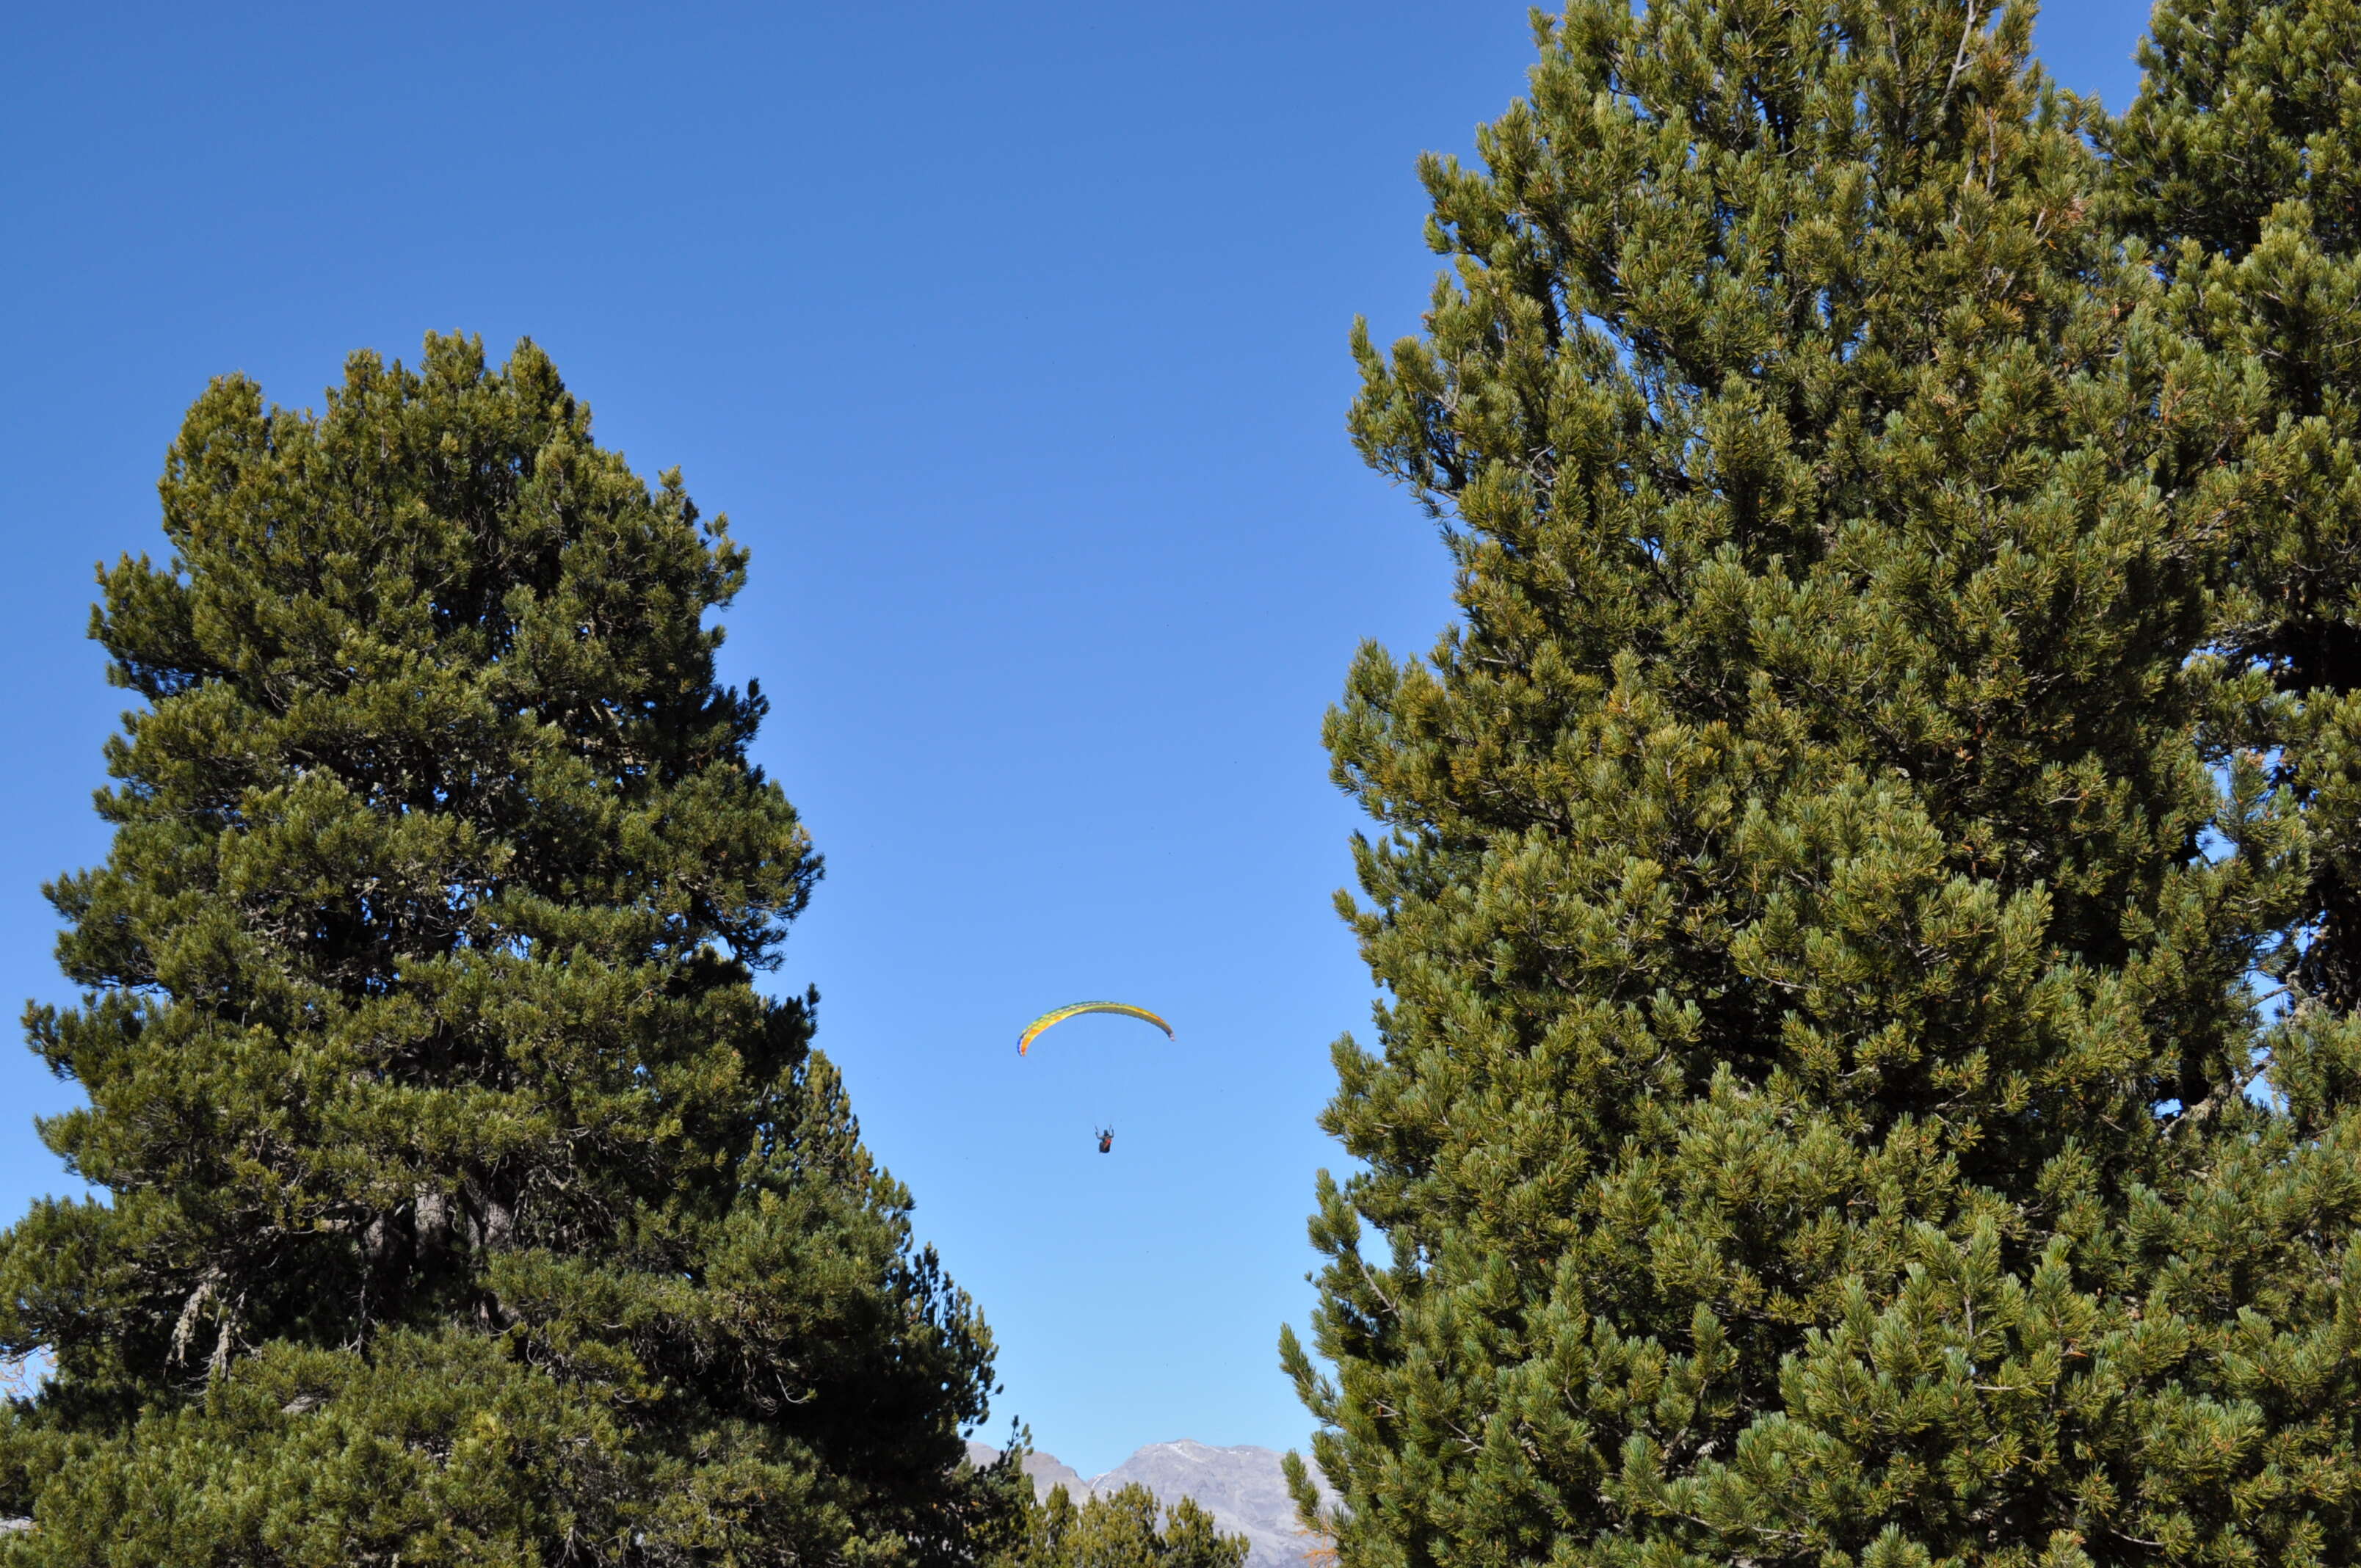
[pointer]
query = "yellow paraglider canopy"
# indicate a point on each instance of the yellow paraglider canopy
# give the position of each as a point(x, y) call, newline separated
point(1059, 1014)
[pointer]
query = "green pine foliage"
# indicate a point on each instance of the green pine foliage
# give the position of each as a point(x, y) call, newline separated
point(1809, 1122)
point(465, 1201)
point(2241, 164)
point(1121, 1529)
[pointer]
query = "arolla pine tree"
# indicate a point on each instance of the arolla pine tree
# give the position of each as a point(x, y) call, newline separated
point(464, 1200)
point(1125, 1528)
point(1811, 1105)
point(2240, 165)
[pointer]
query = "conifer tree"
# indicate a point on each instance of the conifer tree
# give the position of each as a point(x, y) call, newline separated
point(1125, 1528)
point(1810, 1122)
point(2240, 163)
point(465, 1201)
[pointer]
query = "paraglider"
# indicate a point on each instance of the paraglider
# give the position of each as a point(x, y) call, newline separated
point(1059, 1014)
point(1105, 1135)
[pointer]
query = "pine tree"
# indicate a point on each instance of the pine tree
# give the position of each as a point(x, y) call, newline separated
point(1120, 1530)
point(1810, 1125)
point(465, 1199)
point(2241, 163)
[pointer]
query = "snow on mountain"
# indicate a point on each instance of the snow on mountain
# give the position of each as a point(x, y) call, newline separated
point(1242, 1487)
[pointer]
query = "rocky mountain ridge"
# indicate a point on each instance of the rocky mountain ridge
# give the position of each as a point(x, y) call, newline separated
point(1243, 1488)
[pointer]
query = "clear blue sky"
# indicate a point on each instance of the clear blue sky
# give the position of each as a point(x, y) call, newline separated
point(1011, 338)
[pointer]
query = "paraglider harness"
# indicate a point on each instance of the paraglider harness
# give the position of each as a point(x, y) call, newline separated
point(1106, 1140)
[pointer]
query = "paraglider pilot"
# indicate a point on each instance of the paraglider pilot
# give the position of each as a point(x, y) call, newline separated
point(1106, 1140)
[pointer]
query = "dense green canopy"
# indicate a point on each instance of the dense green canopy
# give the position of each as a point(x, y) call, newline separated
point(465, 1199)
point(1815, 1115)
point(2240, 163)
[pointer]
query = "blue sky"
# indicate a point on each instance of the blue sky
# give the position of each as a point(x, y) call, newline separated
point(1011, 336)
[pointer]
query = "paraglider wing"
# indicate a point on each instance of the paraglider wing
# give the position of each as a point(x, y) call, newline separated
point(1059, 1014)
